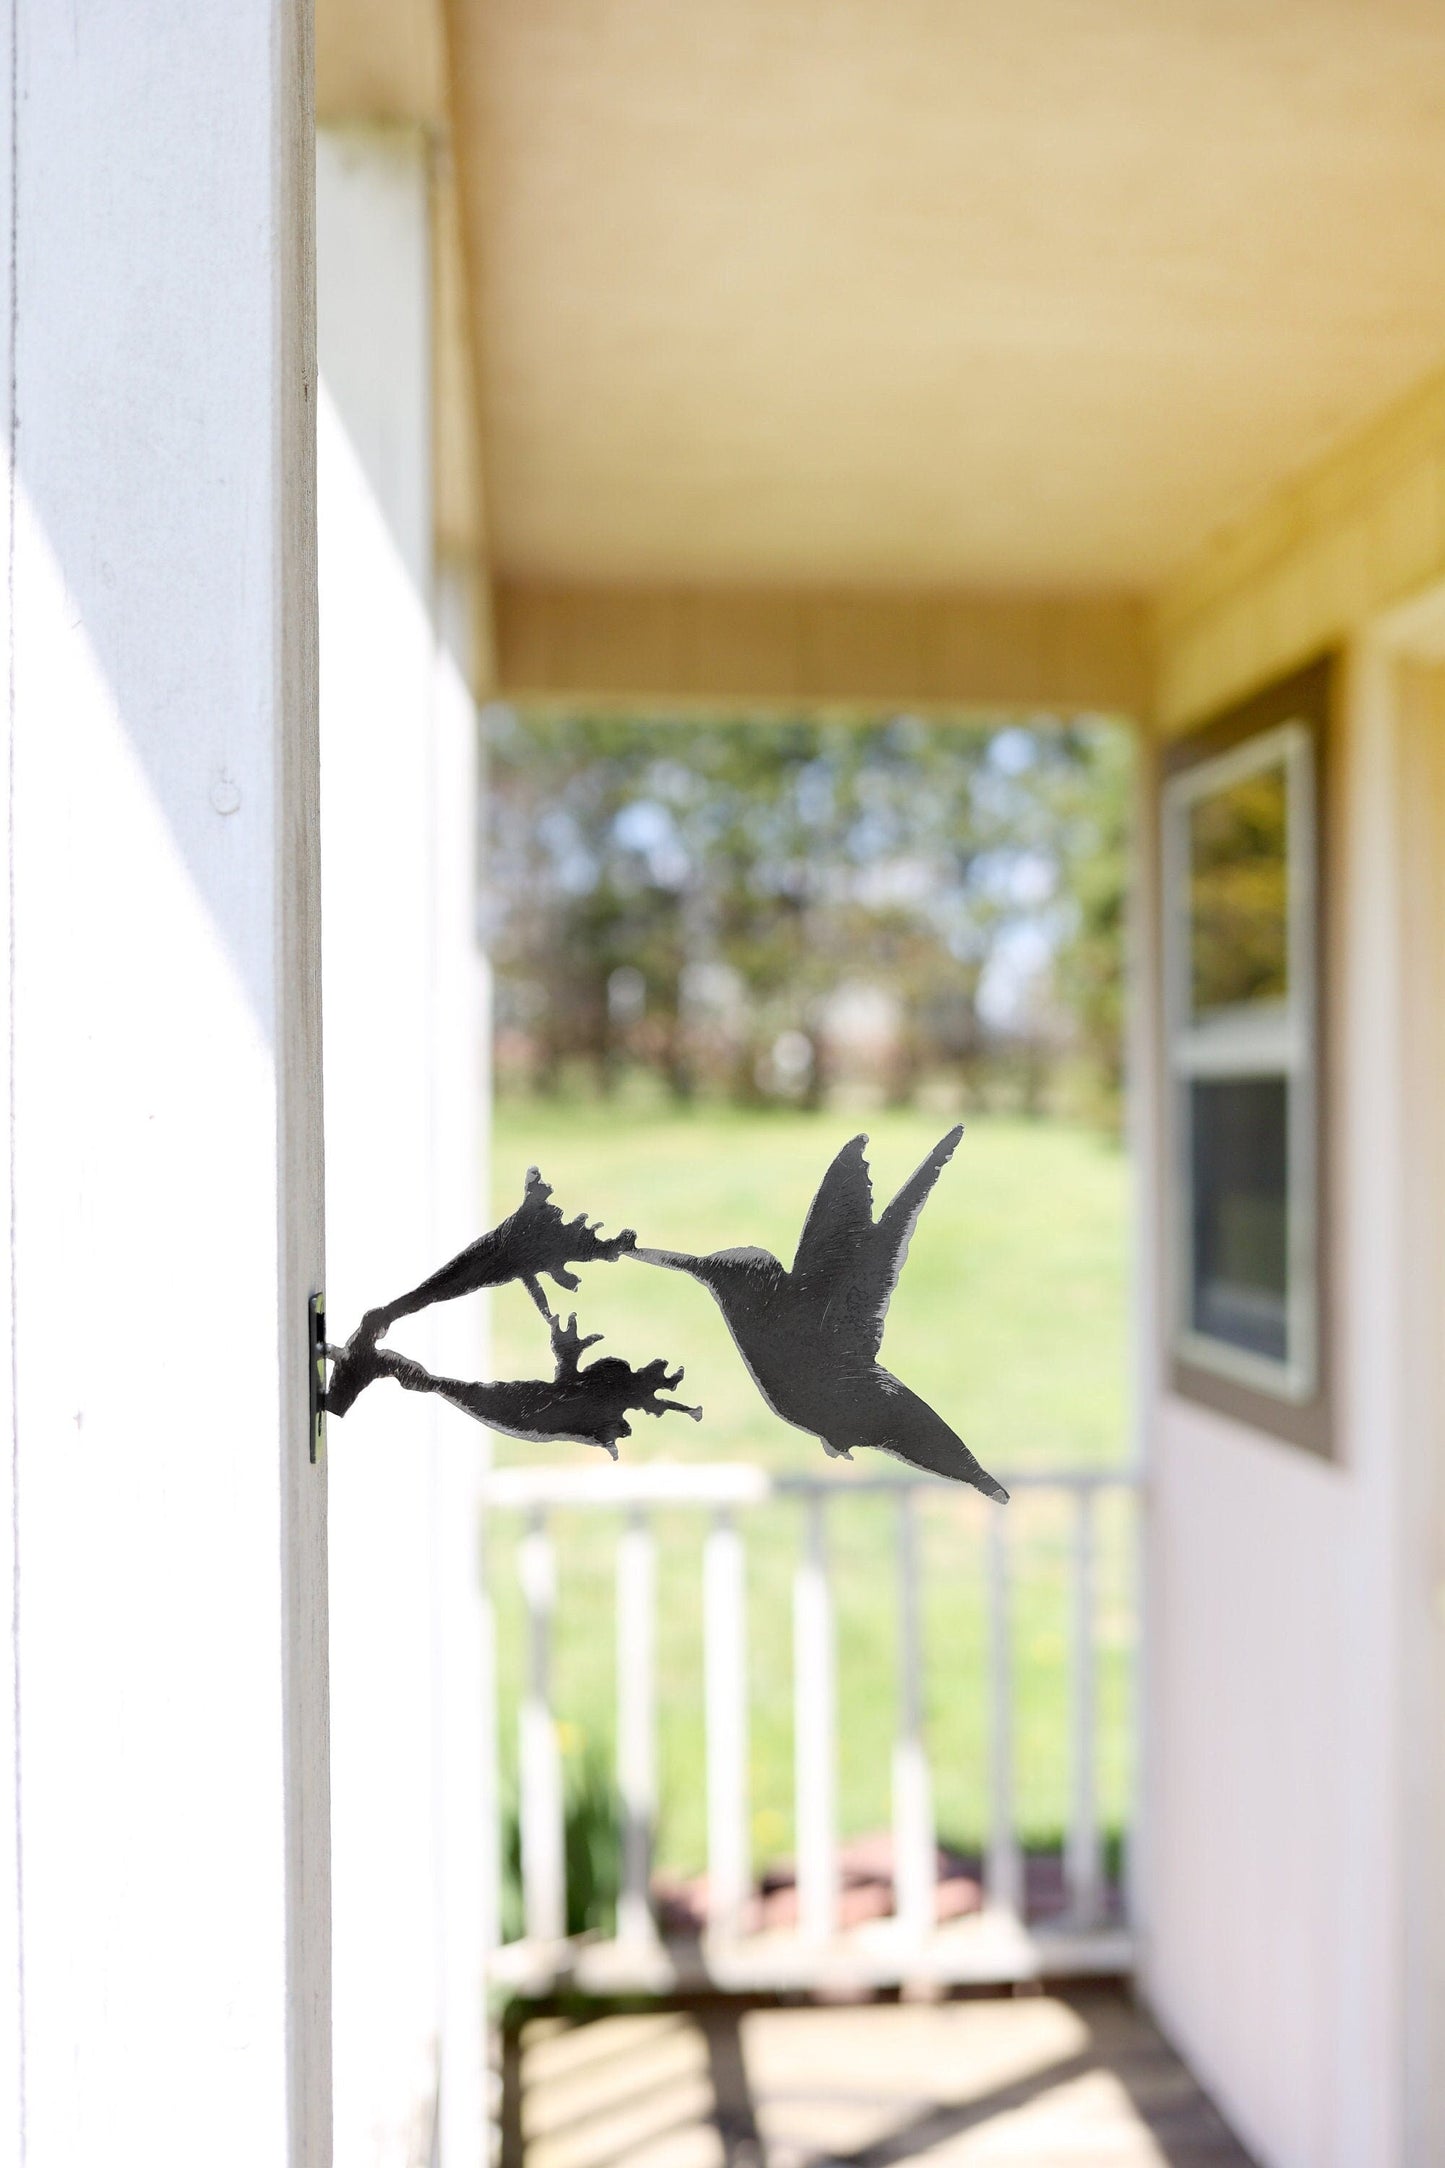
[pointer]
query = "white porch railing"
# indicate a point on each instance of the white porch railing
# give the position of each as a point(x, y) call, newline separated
point(995, 1944)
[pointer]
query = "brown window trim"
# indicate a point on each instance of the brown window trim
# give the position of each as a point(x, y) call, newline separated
point(1307, 696)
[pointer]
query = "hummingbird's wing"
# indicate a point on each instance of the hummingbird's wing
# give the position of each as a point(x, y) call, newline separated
point(895, 1227)
point(857, 1261)
point(840, 1219)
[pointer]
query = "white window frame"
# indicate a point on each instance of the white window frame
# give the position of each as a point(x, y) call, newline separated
point(1255, 1039)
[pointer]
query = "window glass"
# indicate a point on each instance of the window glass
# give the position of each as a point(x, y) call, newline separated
point(1239, 1155)
point(1238, 844)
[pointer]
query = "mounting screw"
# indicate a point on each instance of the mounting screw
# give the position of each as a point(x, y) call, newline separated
point(316, 1371)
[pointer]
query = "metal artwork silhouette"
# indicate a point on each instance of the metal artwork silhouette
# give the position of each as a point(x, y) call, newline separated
point(809, 1337)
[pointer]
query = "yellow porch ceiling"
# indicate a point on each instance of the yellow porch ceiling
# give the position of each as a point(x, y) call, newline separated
point(934, 292)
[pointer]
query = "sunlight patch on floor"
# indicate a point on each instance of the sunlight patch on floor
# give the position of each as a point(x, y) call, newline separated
point(1035, 2082)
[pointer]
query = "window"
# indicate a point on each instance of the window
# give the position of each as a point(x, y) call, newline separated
point(1241, 911)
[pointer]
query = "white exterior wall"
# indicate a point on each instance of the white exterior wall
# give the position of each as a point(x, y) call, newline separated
point(1293, 1720)
point(163, 1915)
point(1273, 1858)
point(403, 1124)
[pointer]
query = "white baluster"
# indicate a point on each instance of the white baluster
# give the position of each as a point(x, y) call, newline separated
point(487, 1716)
point(915, 1856)
point(1081, 1849)
point(726, 1711)
point(544, 1868)
point(815, 1735)
point(1003, 1873)
point(636, 1723)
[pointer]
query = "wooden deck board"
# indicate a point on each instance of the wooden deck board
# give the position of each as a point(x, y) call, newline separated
point(1041, 2081)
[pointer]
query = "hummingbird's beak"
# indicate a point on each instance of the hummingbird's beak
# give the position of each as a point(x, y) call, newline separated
point(674, 1260)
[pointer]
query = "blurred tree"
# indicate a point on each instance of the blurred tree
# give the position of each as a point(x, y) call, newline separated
point(1095, 803)
point(692, 896)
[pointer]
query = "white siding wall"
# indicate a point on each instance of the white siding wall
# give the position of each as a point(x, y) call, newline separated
point(1292, 1777)
point(1270, 1842)
point(165, 1635)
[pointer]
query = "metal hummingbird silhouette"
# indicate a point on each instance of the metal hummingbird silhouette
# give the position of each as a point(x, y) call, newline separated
point(809, 1337)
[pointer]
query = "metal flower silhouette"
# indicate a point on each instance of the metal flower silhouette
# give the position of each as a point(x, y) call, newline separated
point(585, 1403)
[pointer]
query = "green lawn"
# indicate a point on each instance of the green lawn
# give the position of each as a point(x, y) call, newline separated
point(1010, 1317)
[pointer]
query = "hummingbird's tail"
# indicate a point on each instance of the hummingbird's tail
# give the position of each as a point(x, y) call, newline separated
point(958, 1465)
point(913, 1431)
point(981, 1480)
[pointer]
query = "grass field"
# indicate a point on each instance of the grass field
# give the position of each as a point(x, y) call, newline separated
point(1010, 1317)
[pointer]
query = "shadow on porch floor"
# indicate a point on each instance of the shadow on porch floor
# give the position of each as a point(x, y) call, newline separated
point(1044, 2081)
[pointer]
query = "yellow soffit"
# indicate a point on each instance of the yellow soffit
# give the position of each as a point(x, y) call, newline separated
point(937, 295)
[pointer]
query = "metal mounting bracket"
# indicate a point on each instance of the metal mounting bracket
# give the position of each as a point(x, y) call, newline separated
point(316, 1372)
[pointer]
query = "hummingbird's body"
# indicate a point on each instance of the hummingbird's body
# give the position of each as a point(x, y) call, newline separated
point(810, 1337)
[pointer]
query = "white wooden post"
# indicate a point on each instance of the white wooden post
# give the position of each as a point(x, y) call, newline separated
point(915, 1855)
point(1003, 1871)
point(164, 1936)
point(1082, 1867)
point(465, 1729)
point(636, 1723)
point(387, 1157)
point(540, 1803)
point(726, 1707)
point(815, 1734)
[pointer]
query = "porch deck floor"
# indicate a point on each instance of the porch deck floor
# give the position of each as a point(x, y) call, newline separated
point(1079, 2080)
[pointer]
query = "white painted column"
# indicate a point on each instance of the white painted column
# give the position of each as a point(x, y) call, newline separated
point(163, 1891)
point(461, 1621)
point(406, 1004)
point(380, 904)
